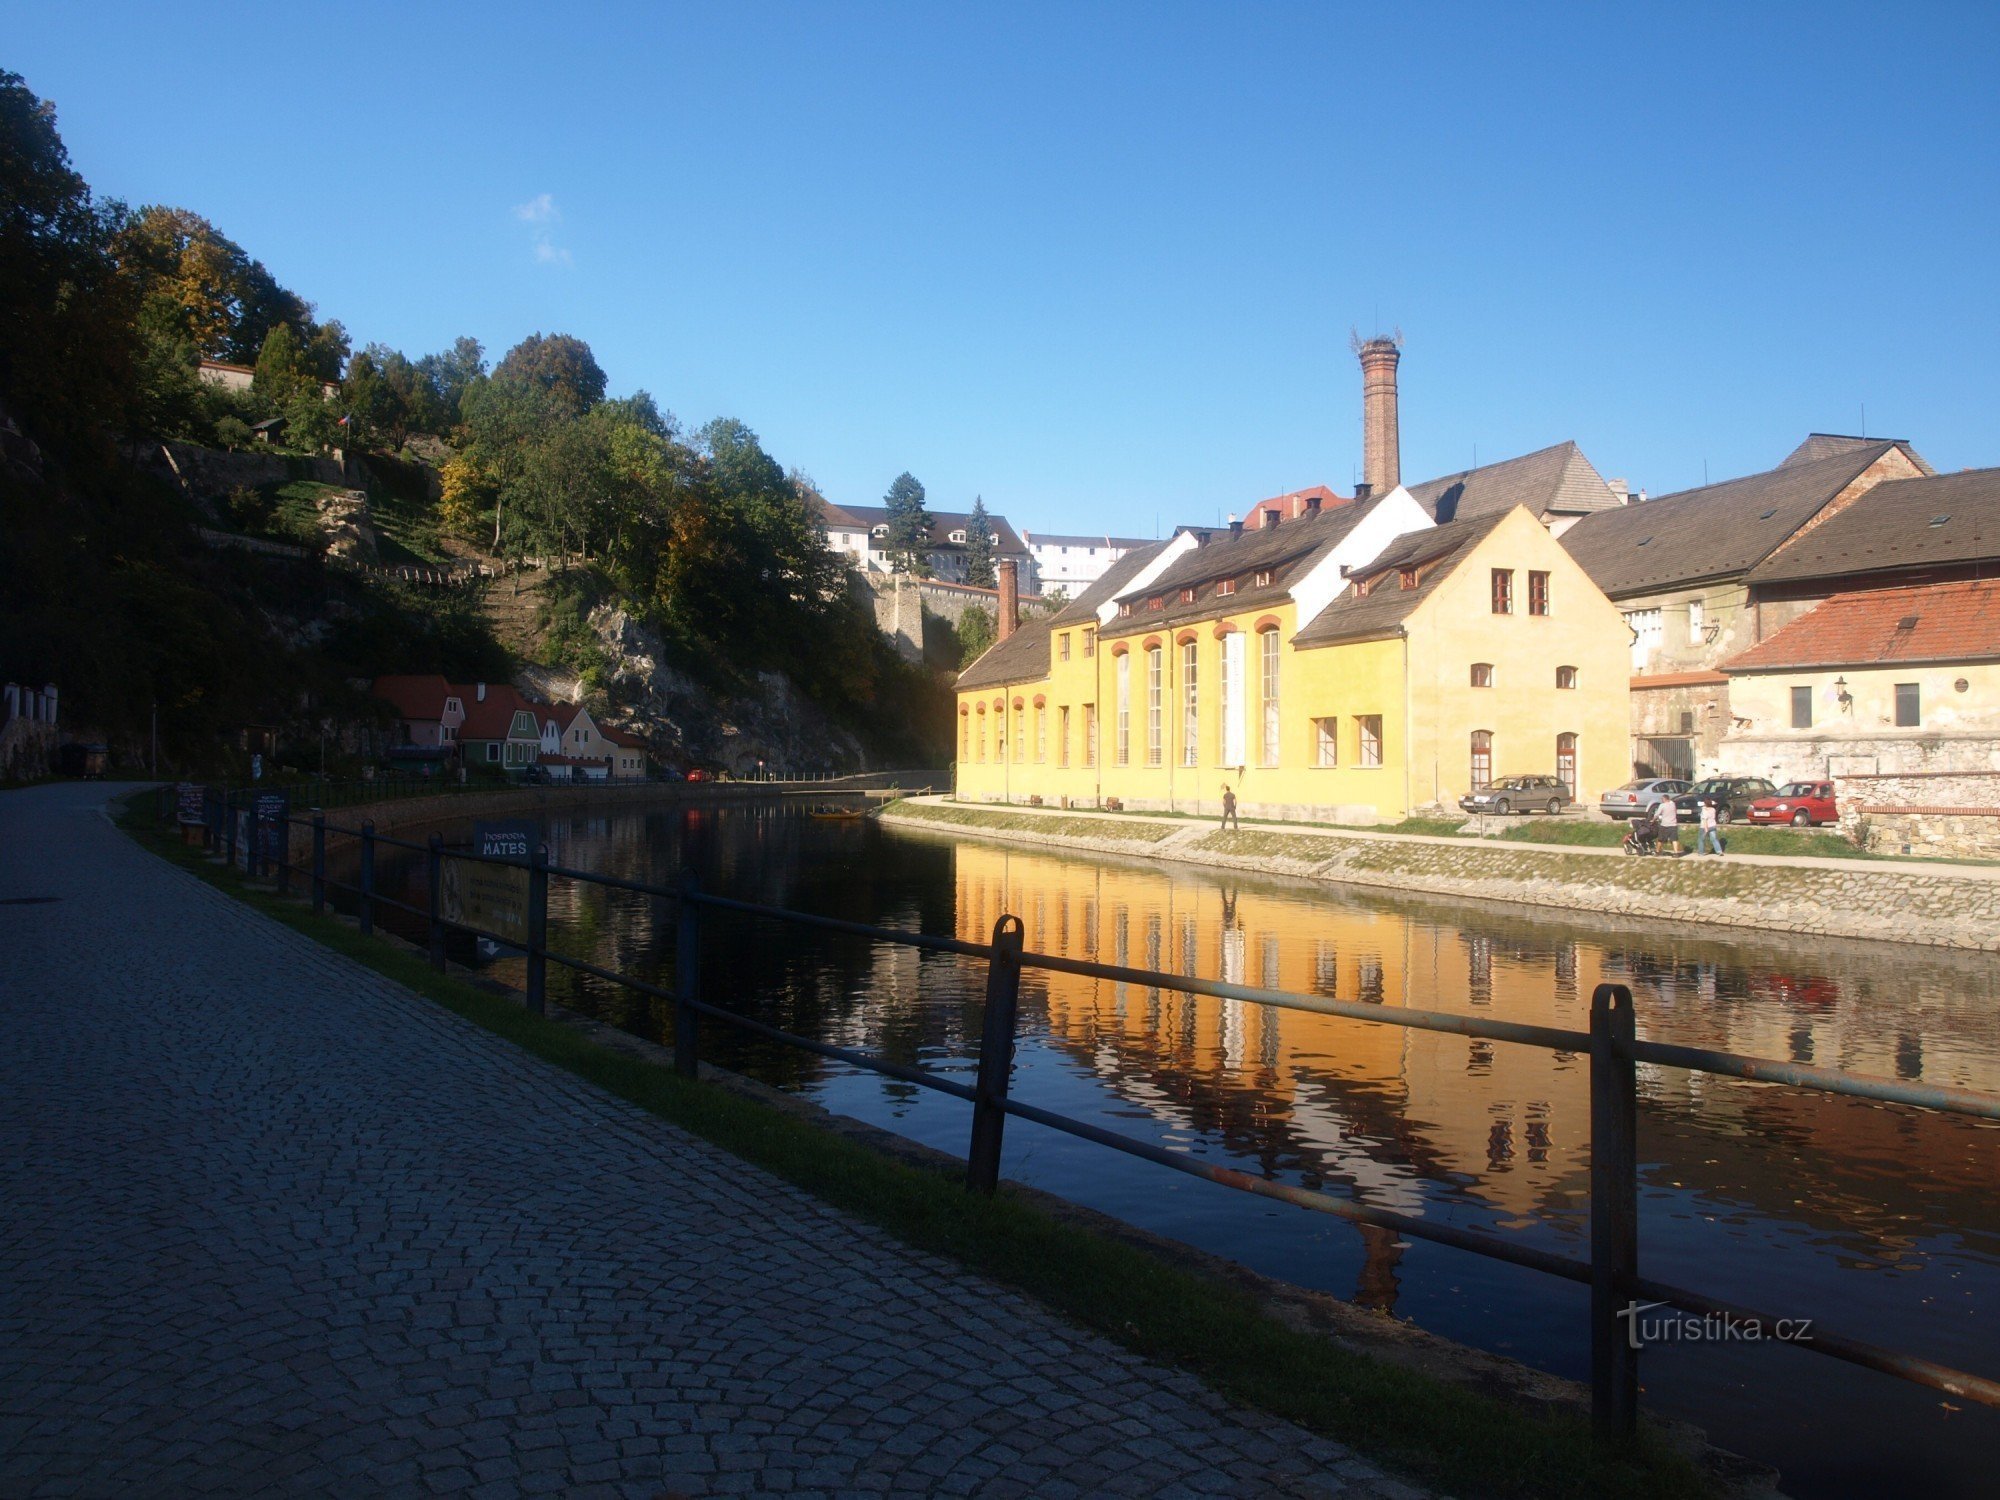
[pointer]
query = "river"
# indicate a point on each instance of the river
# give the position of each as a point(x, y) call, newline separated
point(1880, 1221)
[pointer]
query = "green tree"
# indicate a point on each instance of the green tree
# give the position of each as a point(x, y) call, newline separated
point(228, 302)
point(909, 545)
point(976, 631)
point(560, 367)
point(280, 370)
point(980, 547)
point(374, 405)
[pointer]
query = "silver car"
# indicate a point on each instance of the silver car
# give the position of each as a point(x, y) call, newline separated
point(1637, 799)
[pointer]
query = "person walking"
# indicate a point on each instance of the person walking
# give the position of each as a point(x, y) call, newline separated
point(1710, 838)
point(1229, 819)
point(1667, 818)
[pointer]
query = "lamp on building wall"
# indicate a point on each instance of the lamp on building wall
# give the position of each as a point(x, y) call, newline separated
point(1842, 696)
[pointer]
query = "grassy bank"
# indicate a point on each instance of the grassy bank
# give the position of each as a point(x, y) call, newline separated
point(1440, 1434)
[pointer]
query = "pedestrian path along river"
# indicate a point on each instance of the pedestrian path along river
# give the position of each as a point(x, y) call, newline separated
point(274, 1224)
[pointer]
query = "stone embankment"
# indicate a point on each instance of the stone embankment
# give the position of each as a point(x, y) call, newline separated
point(1946, 906)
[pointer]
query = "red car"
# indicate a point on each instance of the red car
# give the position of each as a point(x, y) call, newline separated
point(1800, 803)
point(698, 774)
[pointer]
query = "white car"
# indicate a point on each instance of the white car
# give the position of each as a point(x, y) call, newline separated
point(1637, 799)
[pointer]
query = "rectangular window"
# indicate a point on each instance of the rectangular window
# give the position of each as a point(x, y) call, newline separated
point(1155, 687)
point(1226, 586)
point(1326, 741)
point(1538, 593)
point(1801, 708)
point(1697, 619)
point(1089, 642)
point(1190, 706)
point(1041, 735)
point(1020, 733)
point(1909, 706)
point(981, 742)
point(1368, 728)
point(1062, 646)
point(1482, 674)
point(1503, 591)
point(1089, 732)
point(1482, 758)
point(1267, 650)
point(1062, 735)
point(965, 737)
point(1235, 699)
point(1122, 725)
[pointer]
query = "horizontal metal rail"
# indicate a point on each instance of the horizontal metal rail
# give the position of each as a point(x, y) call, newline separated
point(1610, 1045)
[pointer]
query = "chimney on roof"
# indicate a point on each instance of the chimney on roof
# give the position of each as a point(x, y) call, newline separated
point(1269, 518)
point(1381, 445)
point(1312, 505)
point(1362, 491)
point(1201, 538)
point(1235, 527)
point(1010, 597)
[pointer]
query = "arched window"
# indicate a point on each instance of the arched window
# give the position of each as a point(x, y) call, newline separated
point(1482, 758)
point(1267, 651)
point(964, 735)
point(1565, 677)
point(1566, 761)
point(1482, 674)
point(1190, 703)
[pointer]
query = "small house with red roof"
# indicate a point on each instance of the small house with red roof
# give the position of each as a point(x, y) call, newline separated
point(502, 729)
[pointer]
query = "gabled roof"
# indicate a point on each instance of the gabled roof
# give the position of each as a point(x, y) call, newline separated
point(1719, 531)
point(494, 718)
point(562, 715)
point(418, 697)
point(1082, 610)
point(1286, 550)
point(1557, 480)
point(943, 524)
point(622, 737)
point(1022, 657)
point(1900, 524)
point(1382, 611)
point(1820, 445)
point(1936, 622)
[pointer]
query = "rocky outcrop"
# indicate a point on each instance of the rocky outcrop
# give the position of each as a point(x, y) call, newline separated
point(349, 529)
point(686, 723)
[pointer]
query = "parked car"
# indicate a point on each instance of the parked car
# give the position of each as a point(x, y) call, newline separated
point(696, 773)
point(1800, 803)
point(1518, 793)
point(668, 773)
point(1637, 799)
point(1731, 794)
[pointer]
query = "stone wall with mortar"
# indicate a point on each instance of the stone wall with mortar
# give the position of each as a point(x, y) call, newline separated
point(1955, 814)
point(1827, 898)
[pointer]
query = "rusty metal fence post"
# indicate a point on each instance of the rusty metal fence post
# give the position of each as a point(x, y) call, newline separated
point(434, 859)
point(538, 929)
point(996, 1057)
point(1614, 1215)
point(687, 978)
point(319, 861)
point(366, 903)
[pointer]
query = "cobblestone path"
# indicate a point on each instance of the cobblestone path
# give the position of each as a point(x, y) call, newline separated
point(271, 1225)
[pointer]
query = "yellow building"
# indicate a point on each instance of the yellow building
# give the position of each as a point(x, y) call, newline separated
point(1352, 664)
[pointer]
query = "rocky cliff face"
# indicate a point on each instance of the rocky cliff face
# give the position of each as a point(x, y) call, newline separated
point(685, 723)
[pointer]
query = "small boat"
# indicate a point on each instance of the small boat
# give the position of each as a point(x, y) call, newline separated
point(838, 814)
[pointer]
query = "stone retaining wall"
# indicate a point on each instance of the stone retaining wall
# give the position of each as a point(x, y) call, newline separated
point(1953, 813)
point(1819, 899)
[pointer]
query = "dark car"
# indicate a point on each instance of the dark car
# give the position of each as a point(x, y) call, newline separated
point(1518, 794)
point(1731, 794)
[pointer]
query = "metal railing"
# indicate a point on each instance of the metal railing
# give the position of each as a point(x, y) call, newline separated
point(1611, 1044)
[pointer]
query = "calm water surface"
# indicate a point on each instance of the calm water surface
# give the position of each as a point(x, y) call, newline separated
point(1881, 1222)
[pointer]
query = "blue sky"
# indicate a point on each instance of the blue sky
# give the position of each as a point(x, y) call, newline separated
point(1100, 263)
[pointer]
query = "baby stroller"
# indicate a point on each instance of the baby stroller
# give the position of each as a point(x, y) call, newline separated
point(1643, 837)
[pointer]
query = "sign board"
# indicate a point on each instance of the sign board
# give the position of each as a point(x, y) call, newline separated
point(191, 803)
point(492, 898)
point(271, 810)
point(256, 768)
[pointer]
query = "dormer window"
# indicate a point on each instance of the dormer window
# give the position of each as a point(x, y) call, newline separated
point(880, 531)
point(1227, 586)
point(1125, 608)
point(1406, 578)
point(1187, 596)
point(1263, 578)
point(958, 536)
point(1158, 601)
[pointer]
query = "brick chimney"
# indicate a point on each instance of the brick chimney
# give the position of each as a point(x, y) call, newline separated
point(1312, 505)
point(1381, 445)
point(1010, 597)
point(1268, 518)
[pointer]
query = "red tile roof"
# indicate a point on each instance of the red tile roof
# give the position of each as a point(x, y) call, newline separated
point(418, 696)
point(620, 737)
point(1938, 622)
point(1677, 679)
point(492, 719)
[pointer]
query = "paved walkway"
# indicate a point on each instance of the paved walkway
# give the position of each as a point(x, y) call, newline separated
point(269, 1224)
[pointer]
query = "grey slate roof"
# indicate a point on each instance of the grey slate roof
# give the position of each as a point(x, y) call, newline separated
point(1287, 550)
point(1820, 445)
point(1434, 553)
point(1051, 539)
point(1024, 655)
point(1892, 528)
point(1720, 531)
point(1558, 479)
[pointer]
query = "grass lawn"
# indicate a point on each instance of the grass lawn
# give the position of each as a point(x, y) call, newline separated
point(1740, 839)
point(1442, 1435)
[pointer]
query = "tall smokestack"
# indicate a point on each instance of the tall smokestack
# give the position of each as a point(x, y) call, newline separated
point(1381, 444)
point(1010, 597)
